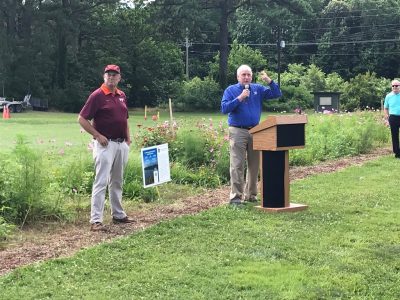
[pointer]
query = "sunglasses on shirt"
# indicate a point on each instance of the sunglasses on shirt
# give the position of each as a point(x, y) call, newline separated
point(395, 85)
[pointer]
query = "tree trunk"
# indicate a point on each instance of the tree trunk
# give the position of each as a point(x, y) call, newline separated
point(11, 17)
point(26, 22)
point(61, 59)
point(62, 45)
point(225, 7)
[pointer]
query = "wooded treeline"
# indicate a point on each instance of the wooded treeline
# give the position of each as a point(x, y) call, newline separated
point(56, 49)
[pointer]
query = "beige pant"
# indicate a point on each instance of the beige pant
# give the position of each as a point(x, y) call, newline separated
point(241, 149)
point(110, 162)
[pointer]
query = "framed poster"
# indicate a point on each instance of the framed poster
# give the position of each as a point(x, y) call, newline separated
point(155, 165)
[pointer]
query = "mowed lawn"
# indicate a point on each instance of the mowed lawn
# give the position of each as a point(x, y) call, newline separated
point(53, 130)
point(345, 246)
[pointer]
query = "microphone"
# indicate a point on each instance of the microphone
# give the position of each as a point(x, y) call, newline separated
point(247, 87)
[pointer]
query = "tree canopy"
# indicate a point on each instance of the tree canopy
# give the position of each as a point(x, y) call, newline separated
point(57, 49)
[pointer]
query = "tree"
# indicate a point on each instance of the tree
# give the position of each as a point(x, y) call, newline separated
point(355, 38)
point(239, 54)
point(224, 12)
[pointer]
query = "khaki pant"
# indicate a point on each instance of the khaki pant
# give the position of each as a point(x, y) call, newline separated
point(110, 162)
point(241, 149)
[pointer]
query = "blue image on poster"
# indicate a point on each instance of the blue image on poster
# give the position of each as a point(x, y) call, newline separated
point(150, 165)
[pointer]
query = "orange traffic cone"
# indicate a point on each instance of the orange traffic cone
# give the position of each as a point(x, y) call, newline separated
point(7, 112)
point(4, 112)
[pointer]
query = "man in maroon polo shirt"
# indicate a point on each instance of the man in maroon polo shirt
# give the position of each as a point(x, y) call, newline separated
point(105, 117)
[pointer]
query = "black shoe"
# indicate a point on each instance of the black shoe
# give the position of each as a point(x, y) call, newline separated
point(235, 201)
point(125, 220)
point(252, 200)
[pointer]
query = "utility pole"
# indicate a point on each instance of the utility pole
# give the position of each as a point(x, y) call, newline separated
point(187, 45)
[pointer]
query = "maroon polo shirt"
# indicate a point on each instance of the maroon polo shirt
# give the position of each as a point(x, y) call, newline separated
point(108, 111)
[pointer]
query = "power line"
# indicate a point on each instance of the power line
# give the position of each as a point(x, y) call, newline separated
point(339, 54)
point(342, 43)
point(348, 27)
point(309, 43)
point(344, 17)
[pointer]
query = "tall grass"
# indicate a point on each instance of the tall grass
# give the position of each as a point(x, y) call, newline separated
point(49, 172)
point(338, 135)
point(25, 182)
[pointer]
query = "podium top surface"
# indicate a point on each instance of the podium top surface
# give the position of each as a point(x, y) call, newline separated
point(279, 120)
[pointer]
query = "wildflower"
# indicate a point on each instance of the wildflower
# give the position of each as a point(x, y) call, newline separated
point(61, 152)
point(68, 144)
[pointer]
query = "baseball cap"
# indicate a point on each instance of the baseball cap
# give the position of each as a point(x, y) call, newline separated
point(113, 68)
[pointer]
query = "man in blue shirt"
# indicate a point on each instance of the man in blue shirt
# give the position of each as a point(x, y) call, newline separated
point(392, 114)
point(243, 104)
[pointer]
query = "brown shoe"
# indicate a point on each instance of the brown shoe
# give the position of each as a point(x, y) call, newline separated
point(123, 220)
point(98, 226)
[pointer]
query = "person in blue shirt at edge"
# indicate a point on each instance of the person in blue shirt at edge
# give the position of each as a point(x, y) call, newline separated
point(243, 104)
point(392, 115)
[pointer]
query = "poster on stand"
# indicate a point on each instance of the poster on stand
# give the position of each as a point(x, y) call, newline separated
point(155, 165)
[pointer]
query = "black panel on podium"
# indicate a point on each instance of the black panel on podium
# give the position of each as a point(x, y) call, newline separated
point(273, 164)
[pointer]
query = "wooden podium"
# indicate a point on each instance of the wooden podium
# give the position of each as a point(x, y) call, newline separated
point(274, 137)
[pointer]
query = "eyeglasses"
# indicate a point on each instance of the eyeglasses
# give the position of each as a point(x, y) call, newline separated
point(395, 85)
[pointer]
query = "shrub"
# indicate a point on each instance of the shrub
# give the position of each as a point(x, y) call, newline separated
point(238, 55)
point(222, 164)
point(201, 145)
point(200, 177)
point(156, 135)
point(198, 94)
point(194, 148)
point(364, 91)
point(76, 176)
point(292, 97)
point(25, 182)
point(5, 231)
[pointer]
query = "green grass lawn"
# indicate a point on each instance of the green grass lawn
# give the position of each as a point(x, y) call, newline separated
point(54, 130)
point(345, 246)
point(42, 129)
